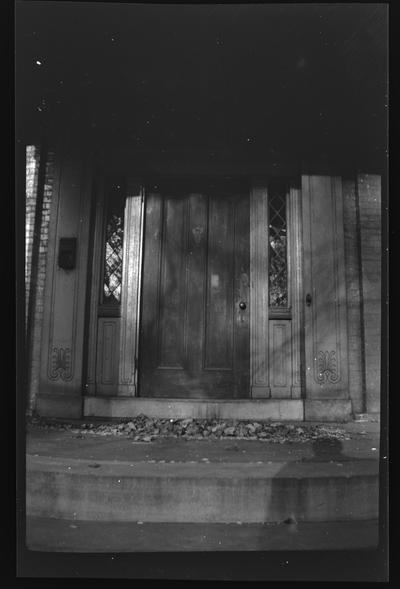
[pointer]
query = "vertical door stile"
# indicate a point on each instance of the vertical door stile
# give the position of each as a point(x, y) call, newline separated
point(241, 290)
point(130, 289)
point(295, 274)
point(259, 292)
point(139, 295)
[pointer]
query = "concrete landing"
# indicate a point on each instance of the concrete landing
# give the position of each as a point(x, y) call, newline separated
point(361, 441)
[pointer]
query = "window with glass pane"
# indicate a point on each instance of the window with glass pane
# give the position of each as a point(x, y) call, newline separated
point(114, 233)
point(277, 271)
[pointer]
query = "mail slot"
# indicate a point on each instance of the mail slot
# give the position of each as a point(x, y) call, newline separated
point(67, 253)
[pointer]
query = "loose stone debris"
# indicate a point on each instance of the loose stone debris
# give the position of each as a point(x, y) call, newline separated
point(148, 429)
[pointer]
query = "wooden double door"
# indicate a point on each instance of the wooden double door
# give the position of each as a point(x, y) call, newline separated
point(194, 337)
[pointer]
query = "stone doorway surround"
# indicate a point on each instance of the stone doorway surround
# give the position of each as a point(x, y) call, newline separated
point(62, 393)
point(268, 398)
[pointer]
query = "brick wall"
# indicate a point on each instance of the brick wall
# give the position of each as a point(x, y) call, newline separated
point(35, 261)
point(32, 169)
point(369, 201)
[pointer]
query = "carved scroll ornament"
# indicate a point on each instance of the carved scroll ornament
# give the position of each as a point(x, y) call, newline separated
point(61, 364)
point(327, 367)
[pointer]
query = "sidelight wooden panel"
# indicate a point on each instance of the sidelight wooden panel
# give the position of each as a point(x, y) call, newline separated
point(280, 358)
point(108, 334)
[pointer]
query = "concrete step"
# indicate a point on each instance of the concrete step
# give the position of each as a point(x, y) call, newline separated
point(201, 492)
point(60, 535)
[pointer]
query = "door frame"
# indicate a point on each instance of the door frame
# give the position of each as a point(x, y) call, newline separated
point(126, 384)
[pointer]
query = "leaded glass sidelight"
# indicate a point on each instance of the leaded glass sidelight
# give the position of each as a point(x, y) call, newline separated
point(113, 248)
point(277, 235)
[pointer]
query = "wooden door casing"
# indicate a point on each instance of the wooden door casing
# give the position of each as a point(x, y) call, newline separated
point(194, 338)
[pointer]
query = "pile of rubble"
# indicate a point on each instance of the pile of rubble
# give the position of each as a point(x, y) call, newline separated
point(146, 429)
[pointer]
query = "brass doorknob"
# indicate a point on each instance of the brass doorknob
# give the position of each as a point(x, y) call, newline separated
point(242, 305)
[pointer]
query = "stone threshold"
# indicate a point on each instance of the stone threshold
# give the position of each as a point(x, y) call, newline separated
point(77, 407)
point(254, 409)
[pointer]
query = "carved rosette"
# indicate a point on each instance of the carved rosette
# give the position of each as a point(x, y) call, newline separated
point(60, 364)
point(327, 367)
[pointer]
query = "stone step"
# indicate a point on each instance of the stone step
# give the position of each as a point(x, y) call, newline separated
point(61, 535)
point(196, 492)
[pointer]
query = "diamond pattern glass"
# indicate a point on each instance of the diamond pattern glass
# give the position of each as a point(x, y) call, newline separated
point(277, 271)
point(113, 260)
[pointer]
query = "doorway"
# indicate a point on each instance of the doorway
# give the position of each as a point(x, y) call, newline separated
point(219, 289)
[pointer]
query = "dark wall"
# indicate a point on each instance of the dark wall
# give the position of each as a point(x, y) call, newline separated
point(228, 83)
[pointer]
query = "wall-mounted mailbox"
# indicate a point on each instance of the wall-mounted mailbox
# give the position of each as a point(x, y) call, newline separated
point(67, 253)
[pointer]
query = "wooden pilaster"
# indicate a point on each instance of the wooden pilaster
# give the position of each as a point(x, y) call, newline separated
point(97, 259)
point(259, 292)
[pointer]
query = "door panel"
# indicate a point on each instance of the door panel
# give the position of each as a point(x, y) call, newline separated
point(172, 286)
point(280, 358)
point(194, 338)
point(324, 276)
point(220, 296)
